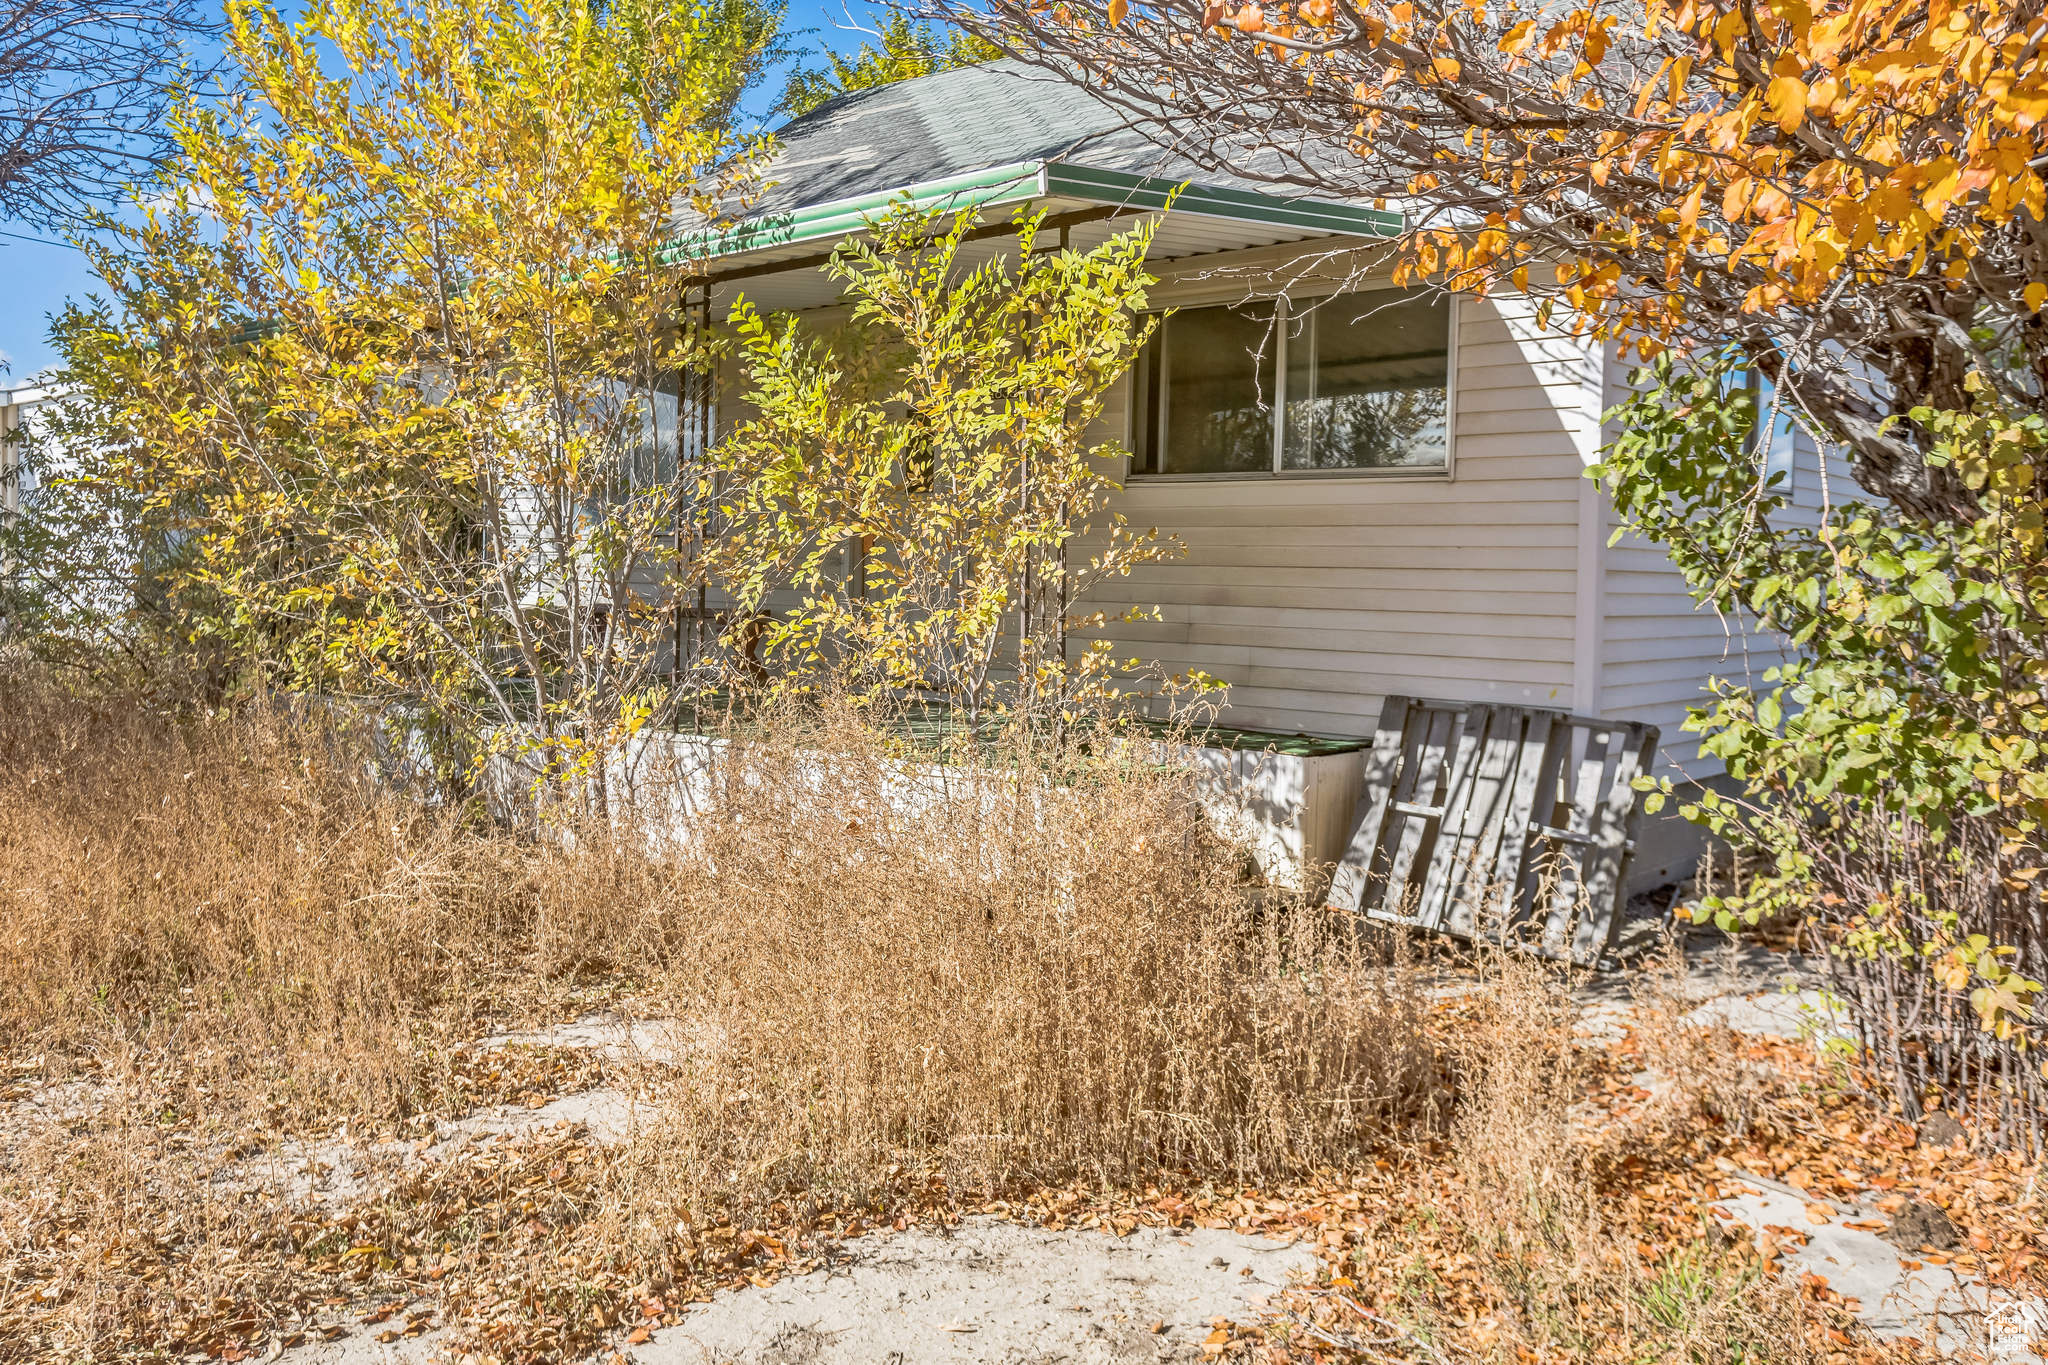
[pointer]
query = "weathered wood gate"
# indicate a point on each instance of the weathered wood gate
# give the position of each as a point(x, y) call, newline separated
point(1509, 821)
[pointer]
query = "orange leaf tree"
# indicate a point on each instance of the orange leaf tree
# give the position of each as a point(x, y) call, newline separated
point(1849, 190)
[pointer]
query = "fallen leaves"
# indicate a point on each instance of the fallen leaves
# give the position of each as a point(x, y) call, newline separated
point(493, 1240)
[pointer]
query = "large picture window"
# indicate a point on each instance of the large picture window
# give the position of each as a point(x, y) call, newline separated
point(1363, 382)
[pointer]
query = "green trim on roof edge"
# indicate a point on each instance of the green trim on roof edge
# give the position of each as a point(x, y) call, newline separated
point(1018, 183)
point(1151, 192)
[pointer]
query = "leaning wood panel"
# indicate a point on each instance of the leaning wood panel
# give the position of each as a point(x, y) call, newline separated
point(1506, 821)
point(1503, 794)
point(1375, 796)
point(1420, 811)
point(1604, 866)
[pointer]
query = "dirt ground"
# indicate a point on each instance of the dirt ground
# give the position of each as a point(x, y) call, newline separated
point(994, 1292)
point(991, 1291)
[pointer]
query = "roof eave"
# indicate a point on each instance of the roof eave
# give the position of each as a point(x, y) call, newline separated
point(1022, 183)
point(1017, 183)
point(1069, 181)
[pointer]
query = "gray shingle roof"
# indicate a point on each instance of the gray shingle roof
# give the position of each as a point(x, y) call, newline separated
point(953, 122)
point(998, 134)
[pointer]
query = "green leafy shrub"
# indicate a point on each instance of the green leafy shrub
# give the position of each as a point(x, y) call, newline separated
point(1892, 767)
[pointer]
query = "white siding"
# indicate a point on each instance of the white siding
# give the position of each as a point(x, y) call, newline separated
point(1659, 648)
point(1316, 597)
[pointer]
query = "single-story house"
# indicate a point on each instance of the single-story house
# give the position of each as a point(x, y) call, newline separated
point(1413, 519)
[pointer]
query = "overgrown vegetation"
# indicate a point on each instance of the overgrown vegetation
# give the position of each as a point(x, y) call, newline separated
point(1031, 972)
point(231, 924)
point(1531, 1199)
point(1844, 199)
point(382, 381)
point(887, 992)
point(243, 895)
point(1895, 795)
point(382, 408)
point(391, 397)
point(921, 489)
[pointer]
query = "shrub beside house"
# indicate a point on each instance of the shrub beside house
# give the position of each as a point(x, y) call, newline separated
point(1381, 490)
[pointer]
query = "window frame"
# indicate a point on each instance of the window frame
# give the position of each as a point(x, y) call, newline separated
point(1274, 376)
point(1776, 438)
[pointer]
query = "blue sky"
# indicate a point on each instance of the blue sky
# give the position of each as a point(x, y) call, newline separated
point(38, 272)
point(35, 279)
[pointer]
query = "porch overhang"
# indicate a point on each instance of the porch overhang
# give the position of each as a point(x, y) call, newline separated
point(1195, 218)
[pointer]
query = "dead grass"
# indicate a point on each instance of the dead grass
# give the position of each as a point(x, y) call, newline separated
point(229, 934)
point(1523, 1236)
point(1019, 974)
point(239, 897)
point(216, 934)
point(901, 992)
point(1572, 1279)
point(1709, 1074)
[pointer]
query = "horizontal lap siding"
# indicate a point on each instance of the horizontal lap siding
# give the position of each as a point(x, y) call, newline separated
point(1315, 598)
point(1660, 648)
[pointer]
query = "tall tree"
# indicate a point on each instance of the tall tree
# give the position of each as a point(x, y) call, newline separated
point(902, 49)
point(1850, 190)
point(733, 44)
point(387, 362)
point(84, 89)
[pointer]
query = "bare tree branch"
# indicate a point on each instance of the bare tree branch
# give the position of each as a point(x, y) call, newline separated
point(84, 87)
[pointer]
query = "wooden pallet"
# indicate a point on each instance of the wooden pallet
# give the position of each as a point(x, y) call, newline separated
point(1510, 821)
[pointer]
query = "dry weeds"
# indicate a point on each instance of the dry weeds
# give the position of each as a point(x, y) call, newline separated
point(1038, 991)
point(1572, 1214)
point(221, 933)
point(1036, 976)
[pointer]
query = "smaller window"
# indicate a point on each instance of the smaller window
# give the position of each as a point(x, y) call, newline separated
point(1776, 439)
point(1206, 382)
point(1366, 384)
point(1364, 377)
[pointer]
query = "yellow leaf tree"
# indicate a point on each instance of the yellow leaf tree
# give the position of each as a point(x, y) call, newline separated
point(390, 357)
point(925, 481)
point(901, 51)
